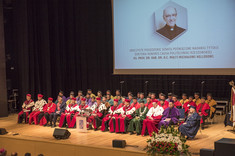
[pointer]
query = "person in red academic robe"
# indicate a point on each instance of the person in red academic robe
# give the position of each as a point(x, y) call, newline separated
point(70, 110)
point(177, 104)
point(26, 108)
point(126, 114)
point(112, 112)
point(153, 117)
point(97, 114)
point(37, 109)
point(149, 103)
point(163, 103)
point(81, 110)
point(47, 110)
point(123, 103)
point(153, 97)
point(135, 103)
point(188, 104)
point(203, 109)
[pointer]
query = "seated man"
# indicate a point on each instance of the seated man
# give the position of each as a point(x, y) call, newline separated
point(142, 98)
point(26, 107)
point(139, 116)
point(89, 91)
point(80, 112)
point(121, 121)
point(60, 108)
point(163, 103)
point(109, 99)
point(177, 104)
point(47, 110)
point(149, 103)
point(37, 109)
point(188, 104)
point(97, 114)
point(203, 109)
point(88, 100)
point(212, 103)
point(184, 99)
point(135, 103)
point(69, 99)
point(154, 116)
point(79, 97)
point(170, 97)
point(112, 112)
point(70, 110)
point(170, 116)
point(197, 99)
point(191, 125)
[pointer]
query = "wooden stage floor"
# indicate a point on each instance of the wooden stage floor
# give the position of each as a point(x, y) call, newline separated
point(204, 139)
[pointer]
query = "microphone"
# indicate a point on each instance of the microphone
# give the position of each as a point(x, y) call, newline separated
point(122, 81)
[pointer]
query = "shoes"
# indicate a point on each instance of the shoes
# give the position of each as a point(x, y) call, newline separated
point(45, 125)
point(131, 133)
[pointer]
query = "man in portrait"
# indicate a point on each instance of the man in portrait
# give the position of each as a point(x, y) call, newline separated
point(170, 30)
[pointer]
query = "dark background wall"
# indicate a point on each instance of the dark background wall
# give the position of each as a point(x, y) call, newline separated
point(67, 45)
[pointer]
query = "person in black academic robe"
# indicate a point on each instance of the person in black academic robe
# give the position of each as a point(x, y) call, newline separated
point(191, 125)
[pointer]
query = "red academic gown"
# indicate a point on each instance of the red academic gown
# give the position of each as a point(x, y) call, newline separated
point(121, 125)
point(151, 125)
point(27, 112)
point(187, 106)
point(165, 105)
point(99, 113)
point(67, 114)
point(108, 117)
point(81, 107)
point(178, 104)
point(48, 108)
point(121, 105)
point(202, 108)
point(136, 105)
point(149, 105)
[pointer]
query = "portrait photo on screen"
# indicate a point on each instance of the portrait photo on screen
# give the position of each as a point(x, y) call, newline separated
point(171, 21)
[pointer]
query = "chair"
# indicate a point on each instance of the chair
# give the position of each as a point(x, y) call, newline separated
point(182, 114)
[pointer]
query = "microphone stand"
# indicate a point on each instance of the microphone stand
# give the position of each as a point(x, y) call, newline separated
point(121, 82)
point(146, 88)
point(173, 87)
point(202, 86)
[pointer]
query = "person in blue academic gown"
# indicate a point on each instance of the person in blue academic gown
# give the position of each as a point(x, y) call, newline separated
point(191, 125)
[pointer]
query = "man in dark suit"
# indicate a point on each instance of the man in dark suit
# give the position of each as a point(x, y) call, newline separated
point(170, 30)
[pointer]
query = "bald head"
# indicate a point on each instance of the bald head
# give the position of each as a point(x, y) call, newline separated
point(169, 16)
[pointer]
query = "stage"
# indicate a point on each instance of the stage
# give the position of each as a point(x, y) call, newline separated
point(39, 139)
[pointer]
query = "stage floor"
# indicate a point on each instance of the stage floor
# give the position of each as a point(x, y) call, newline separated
point(204, 139)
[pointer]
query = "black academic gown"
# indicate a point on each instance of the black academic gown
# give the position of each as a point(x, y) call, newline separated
point(170, 34)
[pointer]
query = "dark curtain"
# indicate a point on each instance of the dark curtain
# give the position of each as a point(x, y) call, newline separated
point(68, 45)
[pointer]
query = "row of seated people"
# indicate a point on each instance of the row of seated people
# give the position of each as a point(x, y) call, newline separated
point(90, 98)
point(142, 118)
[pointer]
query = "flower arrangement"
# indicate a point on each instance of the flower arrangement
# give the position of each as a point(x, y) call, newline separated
point(167, 142)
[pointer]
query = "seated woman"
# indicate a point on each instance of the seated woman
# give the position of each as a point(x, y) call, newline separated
point(170, 116)
point(191, 125)
point(26, 108)
point(212, 103)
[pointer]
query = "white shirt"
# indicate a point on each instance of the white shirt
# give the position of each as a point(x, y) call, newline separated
point(155, 111)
